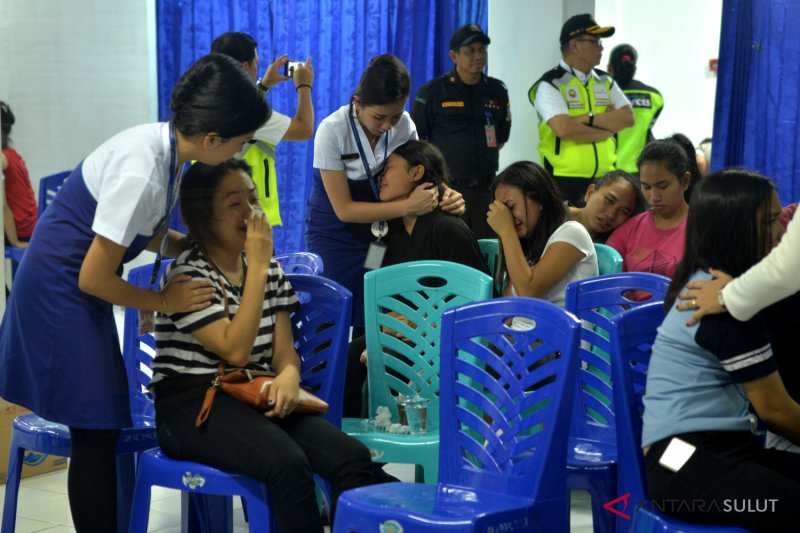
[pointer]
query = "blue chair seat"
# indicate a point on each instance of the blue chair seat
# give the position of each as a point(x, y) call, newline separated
point(431, 508)
point(34, 433)
point(156, 469)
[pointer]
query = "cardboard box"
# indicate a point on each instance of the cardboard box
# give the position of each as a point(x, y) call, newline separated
point(35, 463)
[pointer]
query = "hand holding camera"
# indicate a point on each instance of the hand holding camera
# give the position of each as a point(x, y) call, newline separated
point(283, 69)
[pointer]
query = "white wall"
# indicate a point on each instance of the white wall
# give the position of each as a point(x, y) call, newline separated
point(75, 72)
point(674, 39)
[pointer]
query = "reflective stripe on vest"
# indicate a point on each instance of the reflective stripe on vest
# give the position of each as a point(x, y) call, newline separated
point(261, 158)
point(631, 141)
point(571, 158)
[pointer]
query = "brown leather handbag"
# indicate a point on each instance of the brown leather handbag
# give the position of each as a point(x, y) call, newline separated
point(251, 387)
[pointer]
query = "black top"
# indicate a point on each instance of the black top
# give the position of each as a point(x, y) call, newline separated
point(783, 319)
point(454, 116)
point(437, 236)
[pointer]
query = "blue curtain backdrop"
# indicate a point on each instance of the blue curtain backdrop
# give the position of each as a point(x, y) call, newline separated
point(757, 114)
point(340, 35)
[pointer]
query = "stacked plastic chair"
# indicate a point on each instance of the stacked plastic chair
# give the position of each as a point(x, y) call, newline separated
point(31, 432)
point(48, 187)
point(505, 402)
point(592, 453)
point(608, 259)
point(320, 328)
point(403, 307)
point(632, 335)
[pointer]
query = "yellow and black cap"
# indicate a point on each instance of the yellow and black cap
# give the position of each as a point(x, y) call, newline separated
point(468, 34)
point(583, 25)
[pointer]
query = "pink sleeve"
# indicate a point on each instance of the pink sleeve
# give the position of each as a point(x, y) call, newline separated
point(619, 238)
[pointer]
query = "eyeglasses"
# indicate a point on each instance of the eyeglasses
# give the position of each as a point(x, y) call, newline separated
point(596, 42)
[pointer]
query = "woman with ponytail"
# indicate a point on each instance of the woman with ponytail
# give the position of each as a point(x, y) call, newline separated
point(59, 351)
point(646, 101)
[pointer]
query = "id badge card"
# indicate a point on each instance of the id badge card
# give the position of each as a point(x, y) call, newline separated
point(147, 322)
point(491, 136)
point(375, 254)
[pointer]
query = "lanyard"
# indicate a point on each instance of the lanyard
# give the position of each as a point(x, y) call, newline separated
point(372, 180)
point(174, 179)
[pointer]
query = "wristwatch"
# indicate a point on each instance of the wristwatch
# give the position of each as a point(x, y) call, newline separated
point(591, 120)
point(262, 86)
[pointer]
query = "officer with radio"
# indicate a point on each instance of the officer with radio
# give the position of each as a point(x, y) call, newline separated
point(466, 115)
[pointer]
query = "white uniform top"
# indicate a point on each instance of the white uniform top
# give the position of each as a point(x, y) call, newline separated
point(274, 129)
point(573, 233)
point(128, 176)
point(334, 139)
point(549, 101)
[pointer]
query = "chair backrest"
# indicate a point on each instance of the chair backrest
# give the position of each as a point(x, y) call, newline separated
point(608, 259)
point(49, 187)
point(490, 249)
point(418, 292)
point(138, 351)
point(595, 301)
point(632, 335)
point(321, 330)
point(506, 396)
point(301, 263)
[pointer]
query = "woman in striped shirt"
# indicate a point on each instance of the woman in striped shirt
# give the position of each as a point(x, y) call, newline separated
point(281, 449)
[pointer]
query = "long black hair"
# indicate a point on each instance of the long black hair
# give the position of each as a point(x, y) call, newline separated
point(384, 81)
point(620, 176)
point(623, 62)
point(236, 44)
point(728, 226)
point(691, 156)
point(7, 118)
point(217, 95)
point(430, 157)
point(538, 185)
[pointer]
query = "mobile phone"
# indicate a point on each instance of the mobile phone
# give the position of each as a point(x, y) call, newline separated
point(288, 67)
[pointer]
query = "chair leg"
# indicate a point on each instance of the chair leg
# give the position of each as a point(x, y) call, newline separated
point(141, 503)
point(207, 513)
point(15, 461)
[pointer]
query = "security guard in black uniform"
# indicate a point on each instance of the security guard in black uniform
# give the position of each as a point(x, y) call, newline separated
point(466, 114)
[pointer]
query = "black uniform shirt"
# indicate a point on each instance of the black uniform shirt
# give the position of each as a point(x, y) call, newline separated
point(454, 116)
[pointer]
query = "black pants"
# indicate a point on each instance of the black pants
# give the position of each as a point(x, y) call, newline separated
point(477, 200)
point(92, 479)
point(728, 480)
point(279, 453)
point(355, 403)
point(573, 189)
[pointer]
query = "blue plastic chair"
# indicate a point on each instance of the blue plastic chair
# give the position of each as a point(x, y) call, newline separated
point(301, 263)
point(632, 336)
point(31, 432)
point(490, 249)
point(505, 398)
point(420, 291)
point(49, 187)
point(608, 259)
point(592, 453)
point(321, 327)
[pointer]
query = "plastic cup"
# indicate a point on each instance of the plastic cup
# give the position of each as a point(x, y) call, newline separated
point(416, 410)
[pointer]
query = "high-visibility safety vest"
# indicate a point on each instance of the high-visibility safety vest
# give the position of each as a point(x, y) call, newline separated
point(261, 158)
point(572, 158)
point(647, 104)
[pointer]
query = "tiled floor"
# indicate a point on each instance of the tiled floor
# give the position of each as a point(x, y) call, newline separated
point(43, 506)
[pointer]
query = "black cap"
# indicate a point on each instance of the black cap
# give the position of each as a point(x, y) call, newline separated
point(467, 35)
point(583, 24)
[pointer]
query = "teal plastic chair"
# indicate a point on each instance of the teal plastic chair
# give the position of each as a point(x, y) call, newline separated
point(420, 292)
point(490, 249)
point(608, 259)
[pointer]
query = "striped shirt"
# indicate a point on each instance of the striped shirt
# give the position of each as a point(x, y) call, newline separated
point(179, 353)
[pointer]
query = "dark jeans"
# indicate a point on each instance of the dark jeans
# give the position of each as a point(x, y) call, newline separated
point(728, 480)
point(279, 453)
point(573, 189)
point(355, 403)
point(477, 200)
